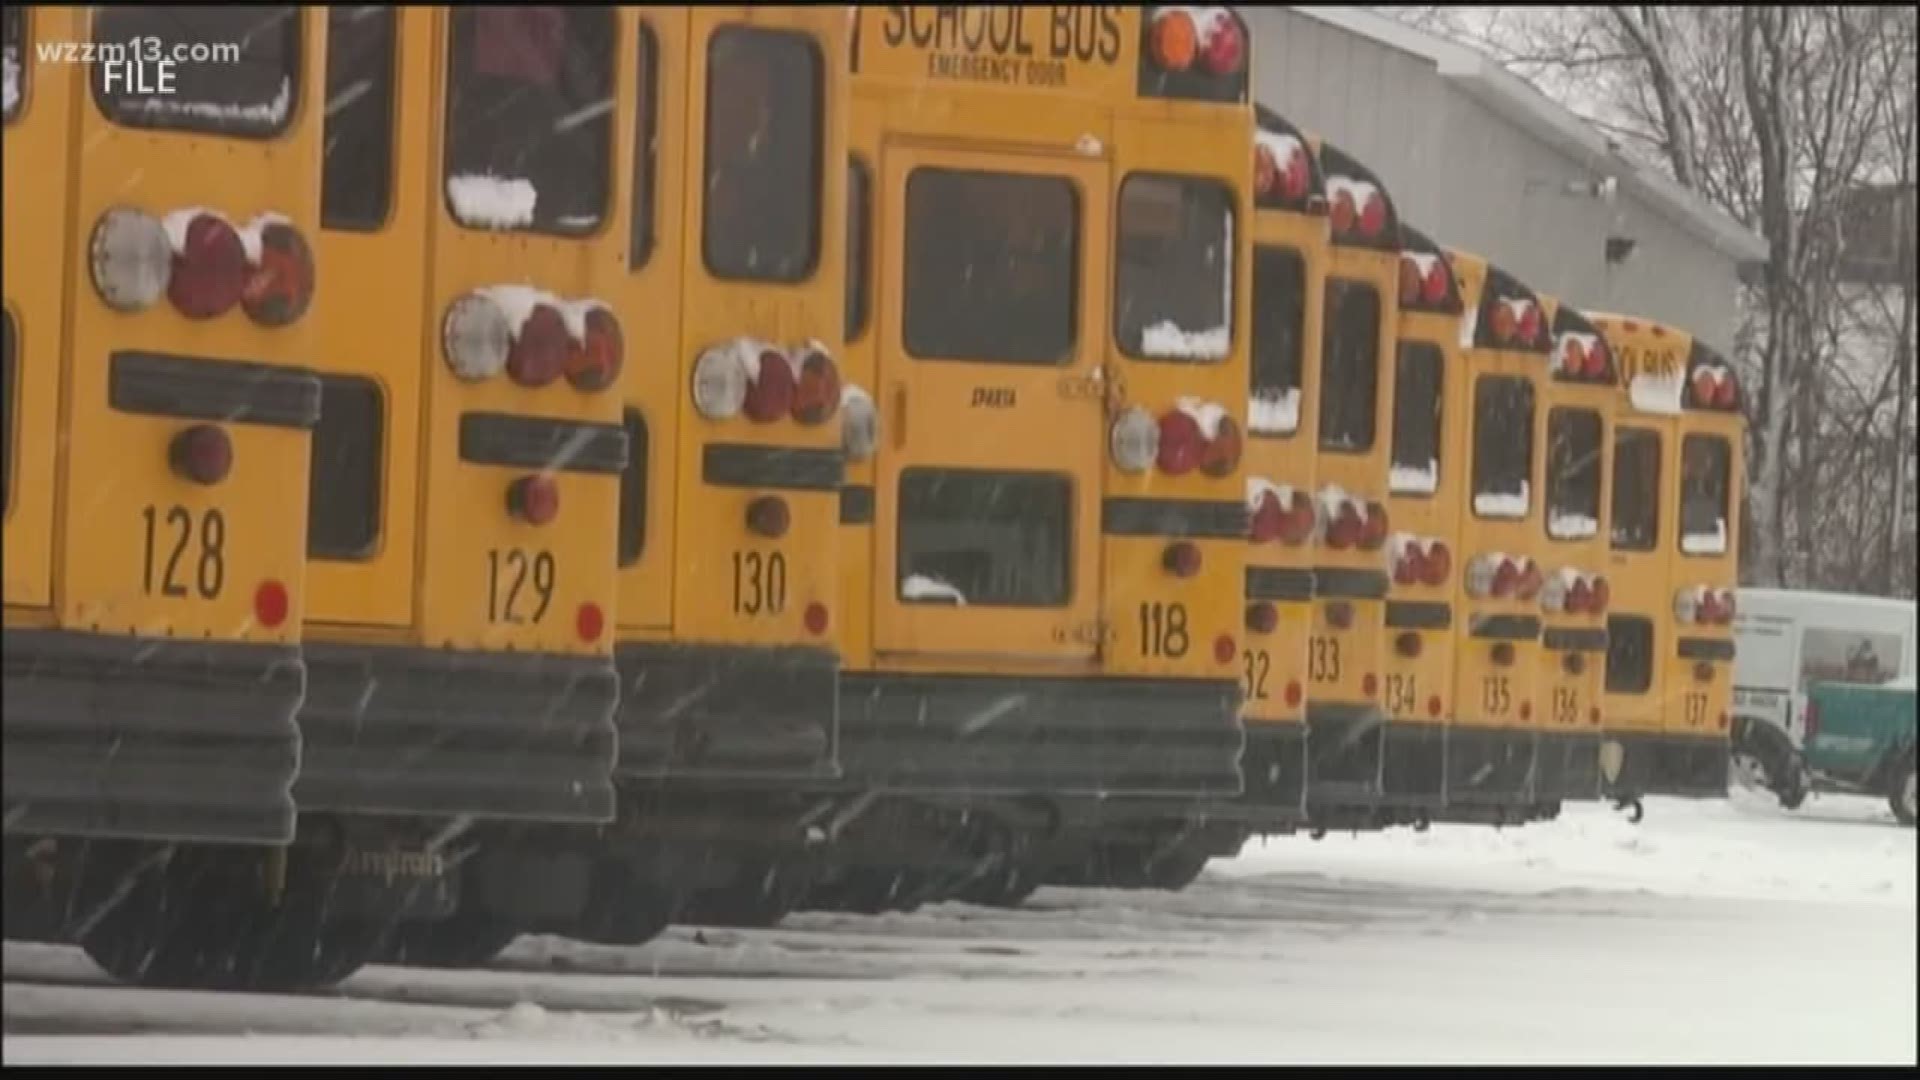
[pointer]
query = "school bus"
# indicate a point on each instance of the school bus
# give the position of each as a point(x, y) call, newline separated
point(1490, 745)
point(1575, 428)
point(1425, 485)
point(1344, 649)
point(1046, 540)
point(1677, 465)
point(159, 411)
point(1290, 252)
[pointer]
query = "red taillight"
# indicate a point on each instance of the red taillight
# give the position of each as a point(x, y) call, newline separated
point(1597, 361)
point(1703, 670)
point(1268, 519)
point(770, 393)
point(596, 364)
point(1344, 531)
point(280, 285)
point(589, 621)
point(1369, 684)
point(1224, 649)
point(534, 499)
point(1503, 323)
point(1297, 527)
point(818, 394)
point(210, 269)
point(1298, 175)
point(1434, 288)
point(1175, 40)
point(1574, 663)
point(1225, 49)
point(1266, 171)
point(1411, 567)
point(1529, 323)
point(1407, 644)
point(1709, 607)
point(1411, 281)
point(1222, 452)
point(1342, 213)
point(1580, 596)
point(1181, 444)
point(1506, 578)
point(1726, 605)
point(1601, 595)
point(1727, 394)
point(768, 516)
point(1181, 558)
point(1437, 564)
point(1373, 532)
point(816, 618)
point(1373, 215)
point(1433, 705)
point(1574, 360)
point(202, 453)
point(540, 351)
point(1340, 614)
point(1503, 654)
point(270, 604)
point(1293, 693)
point(1262, 617)
point(1530, 581)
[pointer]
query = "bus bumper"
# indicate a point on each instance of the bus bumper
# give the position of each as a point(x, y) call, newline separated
point(1051, 736)
point(1568, 768)
point(410, 731)
point(1415, 771)
point(1345, 742)
point(1633, 765)
point(1275, 769)
point(1490, 767)
point(154, 739)
point(750, 715)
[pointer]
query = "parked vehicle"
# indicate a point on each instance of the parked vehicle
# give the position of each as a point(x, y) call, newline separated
point(1860, 739)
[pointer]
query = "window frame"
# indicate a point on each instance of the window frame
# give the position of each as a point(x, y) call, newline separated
point(1296, 259)
point(642, 200)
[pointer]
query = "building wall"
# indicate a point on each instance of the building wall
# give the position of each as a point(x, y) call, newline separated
point(1472, 179)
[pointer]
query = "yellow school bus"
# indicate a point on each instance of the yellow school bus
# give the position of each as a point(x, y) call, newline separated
point(1425, 488)
point(158, 418)
point(1290, 251)
point(1053, 553)
point(1359, 322)
point(1575, 427)
point(1677, 467)
point(1491, 746)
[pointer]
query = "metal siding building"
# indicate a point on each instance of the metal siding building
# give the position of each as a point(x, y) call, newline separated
point(1477, 159)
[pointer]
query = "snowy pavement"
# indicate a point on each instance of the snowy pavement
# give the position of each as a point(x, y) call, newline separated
point(1709, 933)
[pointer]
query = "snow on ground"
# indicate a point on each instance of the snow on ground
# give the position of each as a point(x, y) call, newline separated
point(1709, 933)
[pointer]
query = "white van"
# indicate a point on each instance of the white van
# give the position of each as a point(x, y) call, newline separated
point(1785, 637)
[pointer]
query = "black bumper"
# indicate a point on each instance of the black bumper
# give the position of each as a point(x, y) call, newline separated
point(145, 738)
point(1634, 764)
point(728, 713)
point(1275, 766)
point(1415, 771)
point(1056, 736)
point(1490, 767)
point(405, 730)
point(1345, 745)
point(1568, 768)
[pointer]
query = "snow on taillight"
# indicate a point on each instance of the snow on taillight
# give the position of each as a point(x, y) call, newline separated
point(859, 423)
point(1222, 453)
point(1373, 214)
point(720, 378)
point(131, 259)
point(1344, 530)
point(1482, 573)
point(770, 386)
point(1437, 563)
point(1687, 606)
point(1180, 443)
point(596, 363)
point(1280, 166)
point(1715, 387)
point(1506, 579)
point(1530, 581)
point(817, 395)
point(1579, 596)
point(209, 264)
point(1409, 562)
point(476, 337)
point(279, 283)
point(1267, 510)
point(1223, 47)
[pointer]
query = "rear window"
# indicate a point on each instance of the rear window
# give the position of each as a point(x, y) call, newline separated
point(1417, 386)
point(1706, 464)
point(1573, 474)
point(1349, 366)
point(356, 177)
point(6, 409)
point(764, 155)
point(859, 232)
point(237, 70)
point(992, 266)
point(1502, 446)
point(1173, 279)
point(530, 118)
point(633, 491)
point(1635, 513)
point(13, 56)
point(1279, 327)
point(1629, 654)
point(645, 119)
point(343, 481)
point(985, 539)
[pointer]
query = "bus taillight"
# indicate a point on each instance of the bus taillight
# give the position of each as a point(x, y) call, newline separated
point(1180, 443)
point(770, 388)
point(720, 380)
point(1134, 440)
point(1412, 281)
point(860, 424)
point(1602, 594)
point(1301, 519)
point(817, 396)
point(132, 259)
point(202, 454)
point(596, 363)
point(1373, 215)
point(476, 337)
point(1437, 564)
point(1268, 518)
point(1176, 39)
point(209, 265)
point(1224, 48)
point(1373, 530)
point(279, 283)
point(1222, 452)
point(541, 348)
point(1434, 288)
point(1181, 559)
point(768, 516)
point(534, 499)
point(1344, 530)
point(1262, 617)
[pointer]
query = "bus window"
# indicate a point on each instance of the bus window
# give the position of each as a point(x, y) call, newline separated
point(633, 490)
point(1573, 474)
point(1629, 654)
point(6, 407)
point(859, 250)
point(356, 179)
point(13, 34)
point(640, 228)
point(763, 163)
point(1502, 445)
point(974, 538)
point(1416, 419)
point(530, 117)
point(992, 266)
point(252, 97)
point(1705, 463)
point(1279, 323)
point(1636, 489)
point(343, 492)
point(1349, 372)
point(1173, 282)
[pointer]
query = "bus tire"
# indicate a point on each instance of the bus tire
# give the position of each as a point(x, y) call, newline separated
point(1900, 790)
point(466, 939)
point(622, 907)
point(1003, 887)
